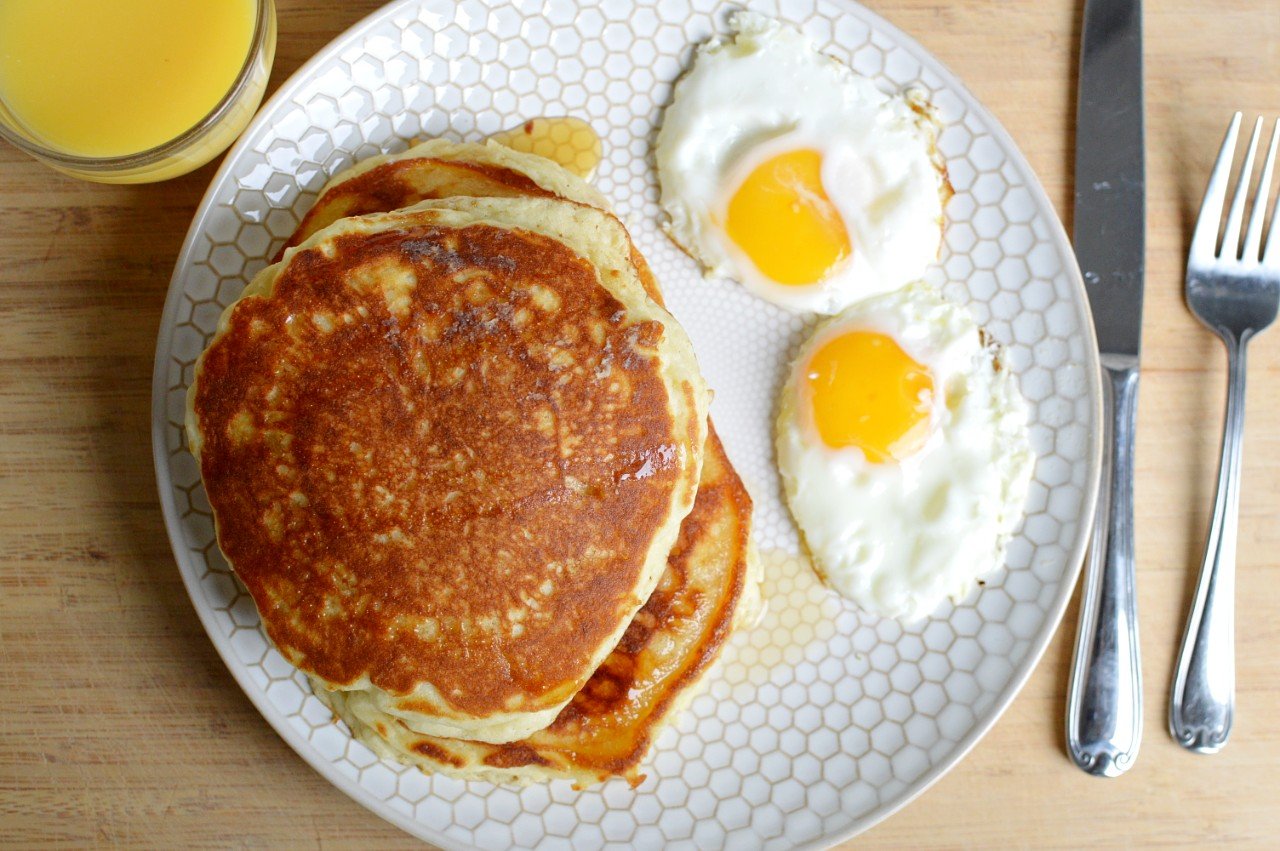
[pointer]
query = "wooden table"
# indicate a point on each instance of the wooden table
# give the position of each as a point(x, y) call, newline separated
point(120, 725)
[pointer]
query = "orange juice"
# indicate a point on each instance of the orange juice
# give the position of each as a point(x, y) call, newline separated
point(113, 78)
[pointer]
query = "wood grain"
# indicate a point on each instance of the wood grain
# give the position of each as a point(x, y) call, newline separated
point(120, 725)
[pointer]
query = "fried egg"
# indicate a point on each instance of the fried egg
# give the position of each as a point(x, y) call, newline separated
point(783, 169)
point(904, 451)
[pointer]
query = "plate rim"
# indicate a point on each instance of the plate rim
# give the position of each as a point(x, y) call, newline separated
point(1013, 687)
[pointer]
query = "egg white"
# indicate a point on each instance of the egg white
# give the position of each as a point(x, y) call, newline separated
point(900, 538)
point(767, 89)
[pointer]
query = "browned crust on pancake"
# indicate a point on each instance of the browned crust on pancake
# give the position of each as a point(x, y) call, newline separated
point(605, 695)
point(403, 409)
point(514, 756)
point(604, 730)
point(436, 753)
point(402, 183)
point(645, 274)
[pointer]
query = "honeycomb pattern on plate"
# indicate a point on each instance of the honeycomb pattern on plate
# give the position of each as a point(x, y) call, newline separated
point(820, 720)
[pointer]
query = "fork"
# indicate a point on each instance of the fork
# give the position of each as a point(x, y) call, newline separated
point(1235, 291)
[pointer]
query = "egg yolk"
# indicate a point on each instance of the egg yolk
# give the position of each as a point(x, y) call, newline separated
point(784, 222)
point(867, 392)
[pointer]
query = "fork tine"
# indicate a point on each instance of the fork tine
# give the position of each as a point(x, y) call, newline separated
point(1253, 234)
point(1231, 236)
point(1205, 239)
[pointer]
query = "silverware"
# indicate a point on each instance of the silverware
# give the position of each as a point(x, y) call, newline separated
point(1235, 291)
point(1104, 704)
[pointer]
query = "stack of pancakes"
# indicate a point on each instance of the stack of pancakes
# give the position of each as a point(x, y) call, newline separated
point(458, 452)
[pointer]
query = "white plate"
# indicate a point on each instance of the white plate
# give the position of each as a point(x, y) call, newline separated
point(821, 721)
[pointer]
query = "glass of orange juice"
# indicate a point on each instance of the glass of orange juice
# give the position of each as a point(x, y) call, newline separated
point(131, 91)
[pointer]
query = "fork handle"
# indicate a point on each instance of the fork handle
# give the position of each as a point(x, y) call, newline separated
point(1104, 702)
point(1202, 703)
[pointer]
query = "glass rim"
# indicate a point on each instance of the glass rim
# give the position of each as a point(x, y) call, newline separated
point(175, 145)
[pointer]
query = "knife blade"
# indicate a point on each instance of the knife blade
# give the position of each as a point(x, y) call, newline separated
point(1104, 705)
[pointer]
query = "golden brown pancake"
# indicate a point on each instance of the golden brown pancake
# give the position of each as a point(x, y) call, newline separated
point(448, 451)
point(710, 584)
point(609, 727)
point(439, 169)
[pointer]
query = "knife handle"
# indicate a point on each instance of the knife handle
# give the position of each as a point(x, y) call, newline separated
point(1104, 703)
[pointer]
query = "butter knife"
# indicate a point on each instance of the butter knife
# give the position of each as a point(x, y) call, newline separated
point(1104, 703)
